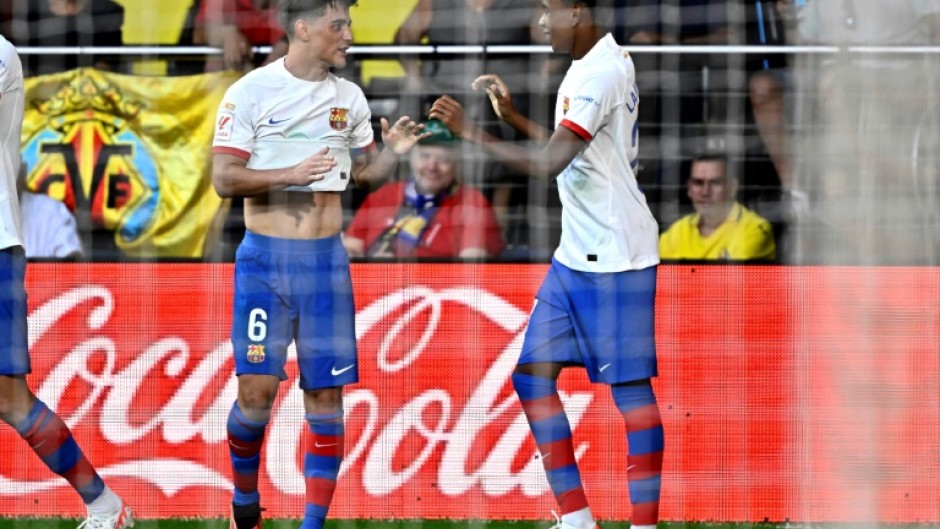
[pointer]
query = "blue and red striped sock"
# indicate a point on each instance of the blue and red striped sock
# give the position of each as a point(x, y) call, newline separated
point(324, 456)
point(637, 404)
point(52, 441)
point(245, 438)
point(552, 432)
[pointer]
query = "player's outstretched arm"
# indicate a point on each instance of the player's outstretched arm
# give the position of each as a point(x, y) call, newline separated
point(544, 163)
point(399, 138)
point(501, 100)
point(232, 178)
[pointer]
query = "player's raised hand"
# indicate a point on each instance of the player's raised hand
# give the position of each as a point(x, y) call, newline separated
point(498, 93)
point(403, 135)
point(451, 113)
point(311, 169)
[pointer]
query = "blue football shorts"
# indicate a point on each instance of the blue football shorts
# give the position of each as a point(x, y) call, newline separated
point(294, 290)
point(14, 348)
point(602, 321)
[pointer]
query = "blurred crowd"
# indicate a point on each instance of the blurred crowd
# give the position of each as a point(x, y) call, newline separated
point(746, 155)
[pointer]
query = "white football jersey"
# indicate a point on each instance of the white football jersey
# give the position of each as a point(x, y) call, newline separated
point(11, 126)
point(605, 221)
point(275, 120)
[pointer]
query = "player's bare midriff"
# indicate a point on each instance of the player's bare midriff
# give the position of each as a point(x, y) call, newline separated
point(295, 215)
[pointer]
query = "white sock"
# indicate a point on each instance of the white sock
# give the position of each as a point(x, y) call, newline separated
point(105, 504)
point(642, 527)
point(582, 518)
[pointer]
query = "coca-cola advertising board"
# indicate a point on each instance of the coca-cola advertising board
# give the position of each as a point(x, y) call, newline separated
point(786, 393)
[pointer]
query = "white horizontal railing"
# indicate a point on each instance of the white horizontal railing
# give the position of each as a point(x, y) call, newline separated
point(380, 50)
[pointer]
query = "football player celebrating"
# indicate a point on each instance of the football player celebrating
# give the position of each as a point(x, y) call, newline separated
point(595, 306)
point(288, 137)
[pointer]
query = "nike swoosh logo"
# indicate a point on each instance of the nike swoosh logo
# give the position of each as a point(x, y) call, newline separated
point(630, 467)
point(545, 456)
point(272, 121)
point(338, 372)
point(603, 367)
point(318, 445)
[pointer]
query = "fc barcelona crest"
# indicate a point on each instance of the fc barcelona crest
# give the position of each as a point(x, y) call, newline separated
point(565, 105)
point(338, 118)
point(255, 353)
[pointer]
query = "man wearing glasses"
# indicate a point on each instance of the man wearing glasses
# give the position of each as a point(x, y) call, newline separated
point(721, 228)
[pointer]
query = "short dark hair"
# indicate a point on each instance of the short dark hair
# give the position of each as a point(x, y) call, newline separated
point(602, 10)
point(587, 3)
point(291, 10)
point(716, 157)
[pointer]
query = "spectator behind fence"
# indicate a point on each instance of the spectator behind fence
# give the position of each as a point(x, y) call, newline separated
point(236, 26)
point(49, 228)
point(480, 22)
point(467, 22)
point(687, 22)
point(68, 23)
point(769, 78)
point(721, 227)
point(432, 214)
point(870, 160)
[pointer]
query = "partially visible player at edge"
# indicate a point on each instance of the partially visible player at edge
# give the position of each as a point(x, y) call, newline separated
point(595, 306)
point(292, 278)
point(39, 426)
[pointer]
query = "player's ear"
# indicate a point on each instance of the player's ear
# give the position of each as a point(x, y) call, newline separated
point(576, 13)
point(302, 29)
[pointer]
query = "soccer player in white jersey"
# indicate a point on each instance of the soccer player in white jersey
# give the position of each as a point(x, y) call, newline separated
point(289, 136)
point(43, 429)
point(595, 306)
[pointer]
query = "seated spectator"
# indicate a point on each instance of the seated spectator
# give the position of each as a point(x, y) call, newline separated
point(67, 23)
point(236, 26)
point(721, 227)
point(429, 215)
point(479, 22)
point(49, 228)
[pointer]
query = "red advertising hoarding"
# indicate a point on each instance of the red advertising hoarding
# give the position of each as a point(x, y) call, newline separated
point(786, 393)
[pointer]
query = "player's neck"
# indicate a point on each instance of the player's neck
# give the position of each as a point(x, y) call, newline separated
point(585, 39)
point(305, 68)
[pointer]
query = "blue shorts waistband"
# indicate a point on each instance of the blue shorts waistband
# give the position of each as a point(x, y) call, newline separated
point(266, 243)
